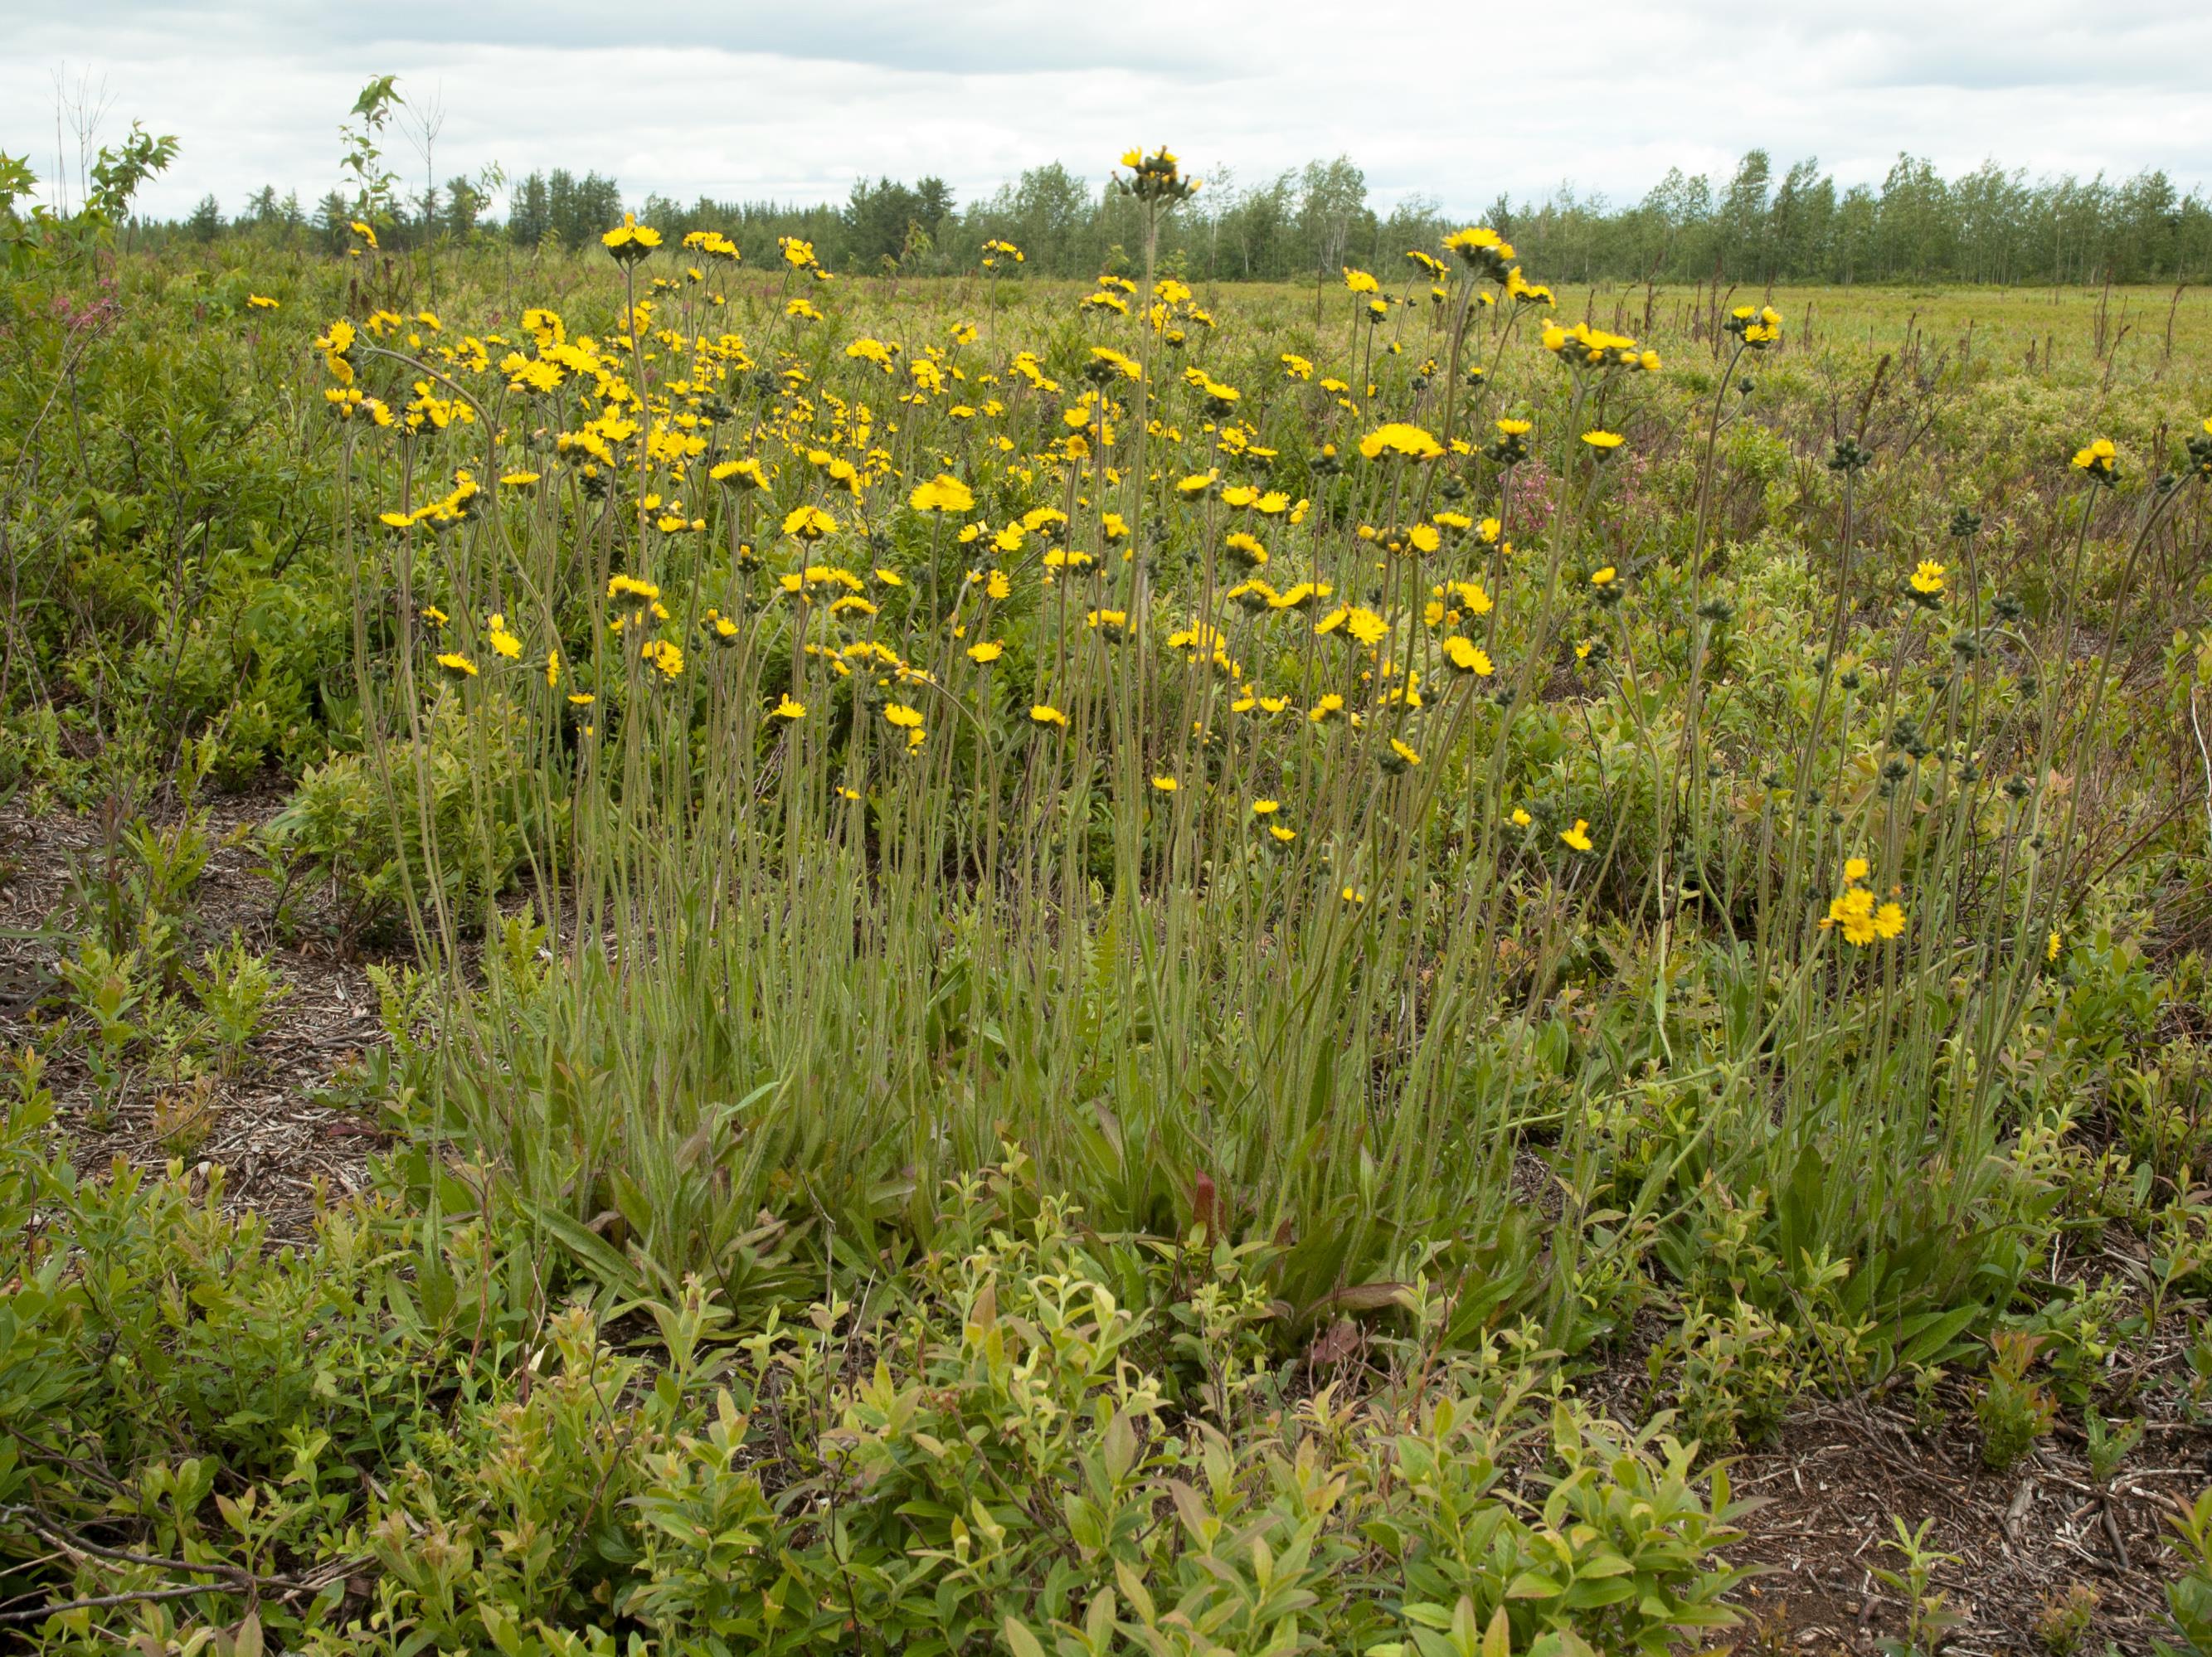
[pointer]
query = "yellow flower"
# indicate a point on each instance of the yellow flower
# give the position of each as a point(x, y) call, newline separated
point(665, 656)
point(1467, 657)
point(1603, 577)
point(1928, 578)
point(1861, 919)
point(503, 643)
point(630, 240)
point(457, 666)
point(1578, 837)
point(552, 670)
point(986, 653)
point(260, 303)
point(2051, 944)
point(1281, 836)
point(1167, 784)
point(786, 708)
point(1603, 442)
point(1110, 364)
point(1397, 437)
point(1404, 752)
point(1266, 808)
point(943, 493)
point(746, 473)
point(808, 523)
point(1359, 281)
point(1521, 817)
point(1855, 871)
point(1245, 549)
point(905, 718)
point(2097, 458)
point(1046, 713)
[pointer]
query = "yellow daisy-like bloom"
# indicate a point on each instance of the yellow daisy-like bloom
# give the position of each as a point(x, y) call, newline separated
point(1266, 808)
point(786, 708)
point(1113, 364)
point(808, 523)
point(1855, 869)
point(628, 586)
point(1468, 656)
point(746, 474)
point(1397, 437)
point(1359, 281)
point(2098, 458)
point(1165, 784)
point(1861, 919)
point(1603, 442)
point(1281, 836)
point(503, 642)
point(2052, 944)
point(943, 493)
point(667, 659)
point(1365, 626)
point(1046, 713)
point(260, 302)
point(552, 670)
point(986, 653)
point(1521, 817)
point(1577, 838)
point(1604, 577)
point(905, 718)
point(456, 665)
point(1404, 752)
point(1515, 427)
point(630, 240)
point(1929, 578)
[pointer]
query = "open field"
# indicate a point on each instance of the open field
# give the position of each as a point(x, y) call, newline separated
point(703, 958)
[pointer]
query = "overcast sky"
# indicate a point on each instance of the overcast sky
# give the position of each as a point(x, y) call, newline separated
point(793, 101)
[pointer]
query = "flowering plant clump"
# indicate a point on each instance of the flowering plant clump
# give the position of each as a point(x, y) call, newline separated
point(998, 859)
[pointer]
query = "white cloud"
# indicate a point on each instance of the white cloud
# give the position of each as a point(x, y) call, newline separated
point(793, 102)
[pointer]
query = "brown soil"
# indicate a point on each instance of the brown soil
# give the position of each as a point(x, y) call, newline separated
point(1840, 1472)
point(283, 1148)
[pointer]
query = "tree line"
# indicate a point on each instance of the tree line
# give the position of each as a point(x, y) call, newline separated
point(1759, 225)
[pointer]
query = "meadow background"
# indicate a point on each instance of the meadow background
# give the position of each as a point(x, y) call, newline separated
point(928, 927)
